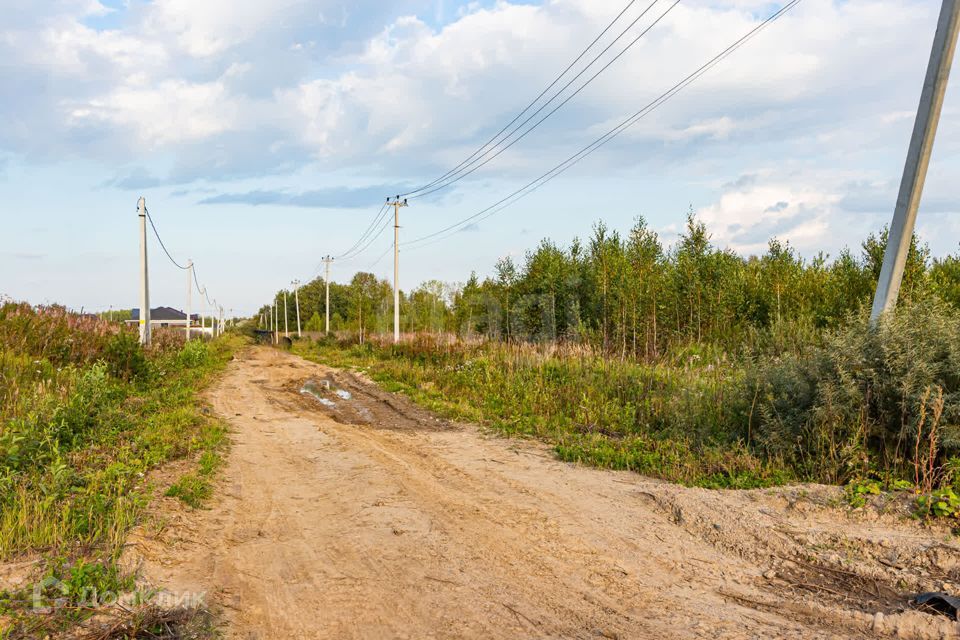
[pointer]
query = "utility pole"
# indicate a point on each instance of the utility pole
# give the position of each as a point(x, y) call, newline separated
point(144, 275)
point(276, 322)
point(396, 266)
point(286, 316)
point(918, 159)
point(189, 295)
point(296, 297)
point(326, 279)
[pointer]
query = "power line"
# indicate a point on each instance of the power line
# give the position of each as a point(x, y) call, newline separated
point(373, 238)
point(382, 256)
point(533, 102)
point(602, 140)
point(464, 174)
point(201, 290)
point(366, 233)
point(451, 176)
point(160, 240)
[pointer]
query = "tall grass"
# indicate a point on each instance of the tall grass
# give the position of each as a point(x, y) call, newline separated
point(676, 421)
point(85, 413)
point(794, 402)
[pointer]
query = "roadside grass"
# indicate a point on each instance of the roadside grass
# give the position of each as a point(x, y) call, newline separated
point(678, 422)
point(85, 416)
point(856, 403)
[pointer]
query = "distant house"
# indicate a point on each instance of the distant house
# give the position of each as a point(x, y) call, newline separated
point(164, 317)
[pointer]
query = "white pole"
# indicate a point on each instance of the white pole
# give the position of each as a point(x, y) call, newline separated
point(189, 295)
point(396, 268)
point(286, 316)
point(396, 271)
point(145, 333)
point(296, 296)
point(918, 159)
point(328, 260)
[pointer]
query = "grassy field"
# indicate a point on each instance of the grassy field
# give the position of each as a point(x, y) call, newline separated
point(851, 404)
point(674, 422)
point(85, 416)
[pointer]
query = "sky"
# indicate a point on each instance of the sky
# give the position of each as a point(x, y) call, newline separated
point(265, 135)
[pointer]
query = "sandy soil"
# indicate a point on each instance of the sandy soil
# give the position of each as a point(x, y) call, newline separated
point(372, 519)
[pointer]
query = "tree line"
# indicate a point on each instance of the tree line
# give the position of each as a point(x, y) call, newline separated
point(633, 296)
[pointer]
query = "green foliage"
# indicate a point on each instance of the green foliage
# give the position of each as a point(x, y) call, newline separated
point(192, 489)
point(673, 422)
point(315, 323)
point(858, 490)
point(631, 296)
point(194, 354)
point(855, 401)
point(630, 354)
point(81, 426)
point(125, 358)
point(85, 415)
point(941, 503)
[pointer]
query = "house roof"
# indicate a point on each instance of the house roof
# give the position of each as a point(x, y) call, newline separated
point(163, 313)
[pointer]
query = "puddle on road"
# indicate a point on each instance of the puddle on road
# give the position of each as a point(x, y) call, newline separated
point(343, 394)
point(315, 390)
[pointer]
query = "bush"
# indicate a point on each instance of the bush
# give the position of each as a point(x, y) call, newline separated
point(856, 401)
point(124, 356)
point(194, 354)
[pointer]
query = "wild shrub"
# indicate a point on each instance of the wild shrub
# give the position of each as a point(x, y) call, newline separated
point(856, 401)
point(124, 356)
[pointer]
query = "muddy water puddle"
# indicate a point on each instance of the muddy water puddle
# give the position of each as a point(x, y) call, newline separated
point(339, 402)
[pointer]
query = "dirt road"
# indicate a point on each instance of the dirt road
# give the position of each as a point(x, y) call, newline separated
point(360, 516)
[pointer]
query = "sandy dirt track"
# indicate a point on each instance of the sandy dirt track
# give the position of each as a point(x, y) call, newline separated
point(372, 519)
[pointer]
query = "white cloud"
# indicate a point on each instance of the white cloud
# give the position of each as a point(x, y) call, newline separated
point(744, 219)
point(166, 113)
point(210, 27)
point(418, 98)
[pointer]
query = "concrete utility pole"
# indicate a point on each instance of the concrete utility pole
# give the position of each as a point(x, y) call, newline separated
point(296, 297)
point(189, 295)
point(286, 316)
point(396, 266)
point(918, 159)
point(326, 280)
point(144, 275)
point(276, 322)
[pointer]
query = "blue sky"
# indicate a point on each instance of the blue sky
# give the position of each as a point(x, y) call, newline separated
point(266, 135)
